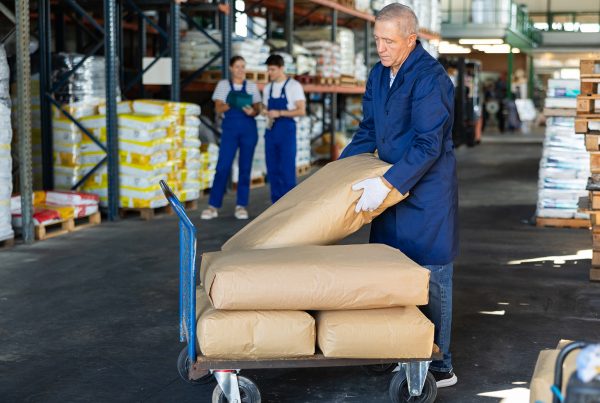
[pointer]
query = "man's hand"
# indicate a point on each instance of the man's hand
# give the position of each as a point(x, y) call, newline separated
point(274, 114)
point(375, 190)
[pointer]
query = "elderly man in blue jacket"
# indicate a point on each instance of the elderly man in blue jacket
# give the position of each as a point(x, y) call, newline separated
point(407, 117)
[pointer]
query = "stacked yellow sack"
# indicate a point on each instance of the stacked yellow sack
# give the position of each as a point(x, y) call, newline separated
point(184, 134)
point(144, 147)
point(209, 155)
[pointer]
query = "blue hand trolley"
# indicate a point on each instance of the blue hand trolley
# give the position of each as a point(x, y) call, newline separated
point(412, 383)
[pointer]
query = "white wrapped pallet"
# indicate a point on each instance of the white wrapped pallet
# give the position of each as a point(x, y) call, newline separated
point(564, 169)
point(6, 231)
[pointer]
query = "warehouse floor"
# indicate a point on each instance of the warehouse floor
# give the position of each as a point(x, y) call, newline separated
point(92, 316)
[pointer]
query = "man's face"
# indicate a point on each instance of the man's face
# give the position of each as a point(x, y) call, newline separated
point(275, 72)
point(392, 46)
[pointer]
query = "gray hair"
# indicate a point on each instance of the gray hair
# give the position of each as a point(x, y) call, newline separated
point(404, 15)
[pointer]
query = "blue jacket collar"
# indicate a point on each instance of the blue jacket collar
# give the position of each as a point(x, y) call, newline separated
point(410, 61)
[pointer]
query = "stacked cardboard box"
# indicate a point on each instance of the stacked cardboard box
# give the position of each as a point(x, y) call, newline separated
point(6, 231)
point(588, 123)
point(564, 166)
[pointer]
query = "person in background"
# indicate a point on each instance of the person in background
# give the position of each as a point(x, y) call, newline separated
point(284, 99)
point(408, 112)
point(239, 102)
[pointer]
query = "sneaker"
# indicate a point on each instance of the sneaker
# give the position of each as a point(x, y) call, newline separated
point(241, 213)
point(444, 379)
point(209, 213)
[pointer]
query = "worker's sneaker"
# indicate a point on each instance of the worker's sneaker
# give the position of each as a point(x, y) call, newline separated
point(209, 213)
point(241, 213)
point(444, 379)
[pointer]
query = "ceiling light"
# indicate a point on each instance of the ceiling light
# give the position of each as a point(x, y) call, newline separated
point(492, 41)
point(452, 48)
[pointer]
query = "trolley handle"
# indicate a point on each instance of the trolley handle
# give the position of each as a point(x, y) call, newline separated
point(558, 372)
point(167, 190)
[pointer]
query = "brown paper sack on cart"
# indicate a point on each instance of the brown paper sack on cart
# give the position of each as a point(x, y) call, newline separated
point(253, 334)
point(402, 332)
point(319, 211)
point(303, 278)
point(543, 374)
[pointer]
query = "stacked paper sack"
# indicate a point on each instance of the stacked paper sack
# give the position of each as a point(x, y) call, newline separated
point(565, 164)
point(6, 231)
point(428, 11)
point(158, 140)
point(303, 148)
point(256, 291)
point(254, 51)
point(50, 207)
point(196, 49)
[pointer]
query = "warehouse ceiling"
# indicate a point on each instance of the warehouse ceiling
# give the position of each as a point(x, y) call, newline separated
point(537, 6)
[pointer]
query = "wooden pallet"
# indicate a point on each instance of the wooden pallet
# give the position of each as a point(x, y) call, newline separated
point(582, 125)
point(560, 112)
point(562, 222)
point(305, 79)
point(303, 170)
point(595, 274)
point(589, 68)
point(7, 243)
point(586, 106)
point(254, 183)
point(47, 231)
point(210, 76)
point(146, 213)
point(595, 162)
point(259, 77)
point(190, 205)
point(348, 81)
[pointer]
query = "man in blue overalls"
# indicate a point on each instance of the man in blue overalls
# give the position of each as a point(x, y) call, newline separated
point(284, 100)
point(407, 117)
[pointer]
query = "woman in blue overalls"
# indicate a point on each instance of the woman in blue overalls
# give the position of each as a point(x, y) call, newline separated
point(280, 136)
point(239, 101)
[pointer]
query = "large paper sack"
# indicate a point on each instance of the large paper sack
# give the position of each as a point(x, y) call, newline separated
point(319, 211)
point(314, 278)
point(402, 332)
point(543, 374)
point(253, 334)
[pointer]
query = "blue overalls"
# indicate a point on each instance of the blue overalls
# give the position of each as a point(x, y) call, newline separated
point(238, 131)
point(280, 148)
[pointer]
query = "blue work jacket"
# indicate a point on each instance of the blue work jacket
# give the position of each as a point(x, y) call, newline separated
point(410, 125)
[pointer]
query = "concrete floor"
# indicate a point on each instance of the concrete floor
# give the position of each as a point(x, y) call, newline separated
point(92, 316)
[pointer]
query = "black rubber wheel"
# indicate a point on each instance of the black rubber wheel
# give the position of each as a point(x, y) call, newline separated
point(399, 390)
point(379, 369)
point(183, 366)
point(248, 392)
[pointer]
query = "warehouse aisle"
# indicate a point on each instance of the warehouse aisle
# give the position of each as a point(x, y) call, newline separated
point(92, 316)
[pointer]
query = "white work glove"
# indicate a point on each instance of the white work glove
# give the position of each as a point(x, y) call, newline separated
point(374, 193)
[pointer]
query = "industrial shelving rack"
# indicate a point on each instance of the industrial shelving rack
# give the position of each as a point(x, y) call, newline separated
point(105, 23)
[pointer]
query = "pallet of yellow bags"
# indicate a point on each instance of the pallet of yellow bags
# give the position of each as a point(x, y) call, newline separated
point(277, 296)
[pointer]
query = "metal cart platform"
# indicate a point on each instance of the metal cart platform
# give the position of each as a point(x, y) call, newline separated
point(412, 383)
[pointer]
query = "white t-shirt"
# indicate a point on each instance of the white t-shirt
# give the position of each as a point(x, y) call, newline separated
point(293, 92)
point(223, 89)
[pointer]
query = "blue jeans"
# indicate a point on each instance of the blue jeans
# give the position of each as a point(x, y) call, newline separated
point(439, 311)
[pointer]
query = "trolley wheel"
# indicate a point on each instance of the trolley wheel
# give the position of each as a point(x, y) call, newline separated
point(248, 392)
point(379, 369)
point(183, 366)
point(399, 390)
